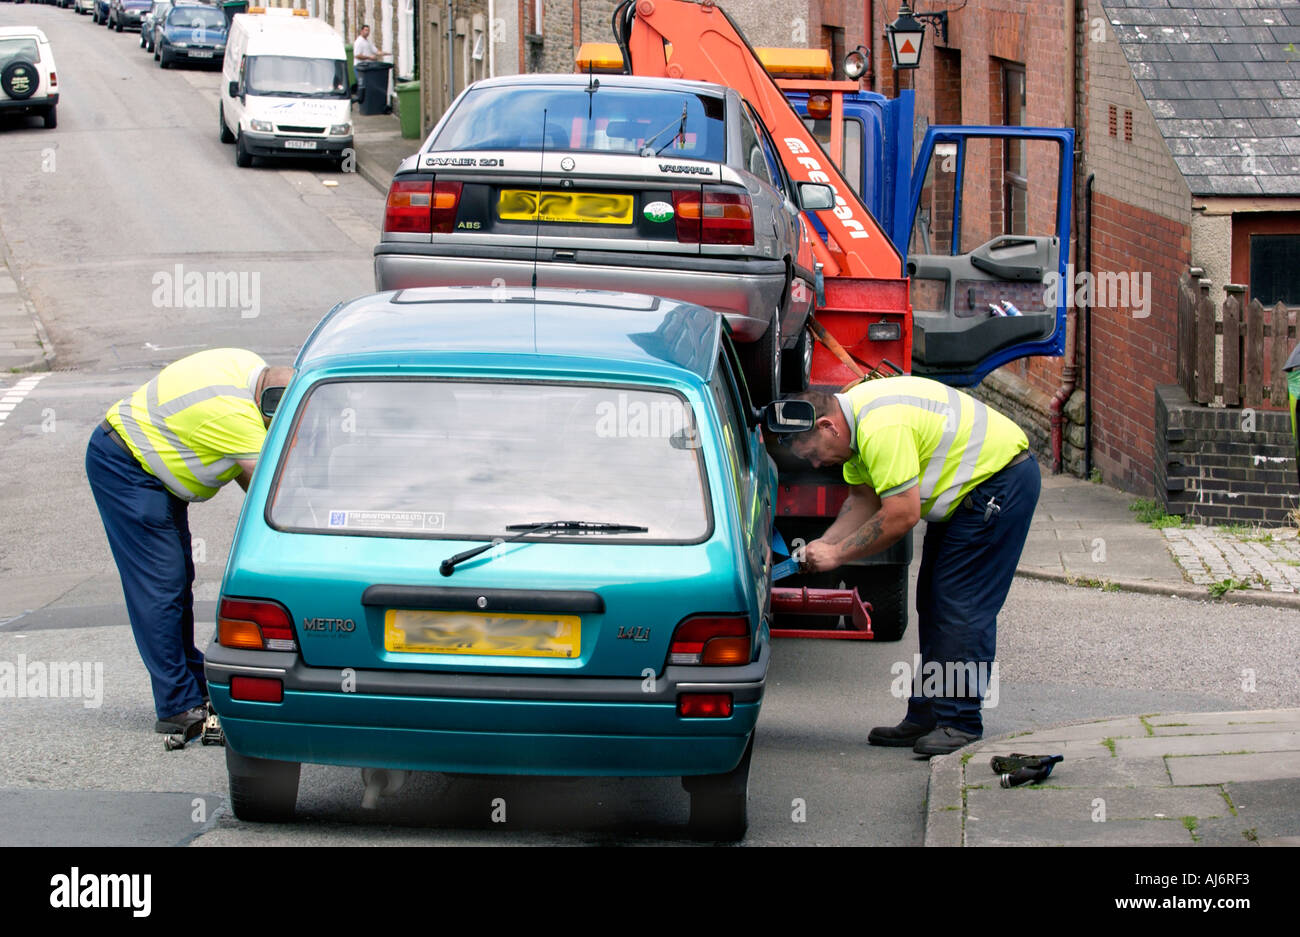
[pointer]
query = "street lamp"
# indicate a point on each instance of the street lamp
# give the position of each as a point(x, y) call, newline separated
point(907, 34)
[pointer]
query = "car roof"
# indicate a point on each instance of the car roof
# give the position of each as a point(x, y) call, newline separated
point(614, 81)
point(9, 32)
point(643, 334)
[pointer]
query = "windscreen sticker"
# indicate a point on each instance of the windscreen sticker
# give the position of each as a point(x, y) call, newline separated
point(388, 520)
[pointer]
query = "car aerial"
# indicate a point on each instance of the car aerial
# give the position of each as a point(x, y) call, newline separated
point(29, 83)
point(151, 22)
point(500, 531)
point(656, 186)
point(191, 32)
point(126, 14)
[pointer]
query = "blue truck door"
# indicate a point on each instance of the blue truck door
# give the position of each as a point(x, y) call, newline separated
point(989, 226)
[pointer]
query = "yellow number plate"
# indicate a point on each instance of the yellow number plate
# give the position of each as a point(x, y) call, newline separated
point(571, 207)
point(503, 635)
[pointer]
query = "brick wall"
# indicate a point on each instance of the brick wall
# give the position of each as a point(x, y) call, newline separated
point(1210, 468)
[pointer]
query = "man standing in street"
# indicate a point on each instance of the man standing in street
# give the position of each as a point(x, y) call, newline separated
point(177, 439)
point(363, 50)
point(914, 448)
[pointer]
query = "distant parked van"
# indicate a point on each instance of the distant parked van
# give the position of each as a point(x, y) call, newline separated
point(284, 88)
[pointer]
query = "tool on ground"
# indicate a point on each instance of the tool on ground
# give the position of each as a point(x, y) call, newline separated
point(209, 728)
point(1017, 769)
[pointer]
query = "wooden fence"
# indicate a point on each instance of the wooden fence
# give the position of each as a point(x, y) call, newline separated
point(1252, 346)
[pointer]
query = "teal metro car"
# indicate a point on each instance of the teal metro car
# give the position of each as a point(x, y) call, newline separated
point(503, 532)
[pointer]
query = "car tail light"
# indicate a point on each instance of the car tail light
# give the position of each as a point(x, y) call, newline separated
point(446, 200)
point(410, 207)
point(704, 705)
point(725, 217)
point(54, 81)
point(255, 624)
point(257, 689)
point(712, 640)
point(728, 218)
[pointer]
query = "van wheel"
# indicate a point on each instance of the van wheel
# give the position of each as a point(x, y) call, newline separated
point(242, 156)
point(262, 791)
point(51, 118)
point(720, 802)
point(226, 135)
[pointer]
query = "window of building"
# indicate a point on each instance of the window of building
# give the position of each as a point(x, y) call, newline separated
point(1266, 256)
point(1015, 181)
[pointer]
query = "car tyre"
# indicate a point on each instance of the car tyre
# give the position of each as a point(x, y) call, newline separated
point(117, 25)
point(243, 158)
point(720, 802)
point(163, 60)
point(885, 587)
point(261, 790)
point(762, 363)
point(51, 117)
point(226, 135)
point(796, 364)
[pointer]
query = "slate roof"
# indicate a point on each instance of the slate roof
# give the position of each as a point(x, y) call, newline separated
point(1222, 78)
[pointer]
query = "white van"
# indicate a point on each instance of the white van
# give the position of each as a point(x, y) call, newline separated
point(284, 89)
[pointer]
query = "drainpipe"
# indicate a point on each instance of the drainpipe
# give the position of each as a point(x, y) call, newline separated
point(1087, 352)
point(1063, 392)
point(492, 44)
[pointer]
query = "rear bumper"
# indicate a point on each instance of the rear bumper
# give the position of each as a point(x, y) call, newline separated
point(487, 724)
point(36, 102)
point(270, 144)
point(747, 293)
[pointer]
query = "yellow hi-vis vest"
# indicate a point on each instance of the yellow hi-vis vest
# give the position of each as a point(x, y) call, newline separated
point(914, 431)
point(190, 423)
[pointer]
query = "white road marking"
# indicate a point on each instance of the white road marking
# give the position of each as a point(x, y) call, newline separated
point(17, 393)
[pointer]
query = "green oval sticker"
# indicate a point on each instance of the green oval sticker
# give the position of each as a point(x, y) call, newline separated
point(658, 211)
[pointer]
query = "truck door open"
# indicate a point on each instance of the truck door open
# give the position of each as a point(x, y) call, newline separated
point(990, 226)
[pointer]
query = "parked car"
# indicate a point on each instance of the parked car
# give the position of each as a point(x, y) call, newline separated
point(126, 14)
point(152, 21)
point(29, 83)
point(191, 32)
point(665, 187)
point(84, 6)
point(535, 542)
point(100, 13)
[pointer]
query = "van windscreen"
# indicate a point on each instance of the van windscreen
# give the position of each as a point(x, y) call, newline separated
point(295, 77)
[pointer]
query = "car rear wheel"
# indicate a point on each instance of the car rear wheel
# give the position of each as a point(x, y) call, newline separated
point(226, 135)
point(51, 118)
point(796, 364)
point(762, 363)
point(243, 158)
point(261, 790)
point(720, 802)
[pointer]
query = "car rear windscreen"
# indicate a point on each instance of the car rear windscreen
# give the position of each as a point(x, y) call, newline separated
point(450, 459)
point(19, 50)
point(608, 120)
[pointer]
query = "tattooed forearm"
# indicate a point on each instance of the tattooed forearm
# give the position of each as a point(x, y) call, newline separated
point(864, 540)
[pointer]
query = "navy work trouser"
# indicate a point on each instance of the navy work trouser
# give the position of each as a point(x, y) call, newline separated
point(149, 532)
point(967, 564)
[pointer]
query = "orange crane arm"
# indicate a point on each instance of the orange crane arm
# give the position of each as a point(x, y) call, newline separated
point(708, 46)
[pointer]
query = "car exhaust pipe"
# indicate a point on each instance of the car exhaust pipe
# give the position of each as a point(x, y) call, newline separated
point(380, 782)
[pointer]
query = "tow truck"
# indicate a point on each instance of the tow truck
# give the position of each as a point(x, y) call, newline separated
point(910, 282)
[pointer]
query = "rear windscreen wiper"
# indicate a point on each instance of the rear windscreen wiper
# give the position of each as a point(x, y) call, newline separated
point(448, 566)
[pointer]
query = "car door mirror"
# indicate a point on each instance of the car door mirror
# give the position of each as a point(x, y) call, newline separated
point(233, 89)
point(270, 401)
point(814, 196)
point(789, 416)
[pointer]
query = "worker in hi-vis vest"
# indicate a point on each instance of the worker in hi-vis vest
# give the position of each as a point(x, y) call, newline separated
point(177, 439)
point(913, 448)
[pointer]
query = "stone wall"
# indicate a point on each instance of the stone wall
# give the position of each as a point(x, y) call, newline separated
point(1220, 465)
